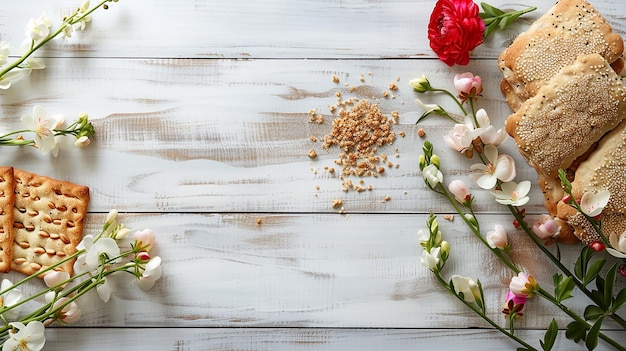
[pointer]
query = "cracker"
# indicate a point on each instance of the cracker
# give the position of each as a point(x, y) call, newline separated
point(581, 103)
point(7, 199)
point(604, 170)
point(570, 28)
point(48, 224)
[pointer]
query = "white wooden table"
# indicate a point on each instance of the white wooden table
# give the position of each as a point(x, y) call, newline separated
point(201, 110)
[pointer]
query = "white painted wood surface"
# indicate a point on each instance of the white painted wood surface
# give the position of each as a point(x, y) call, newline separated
point(202, 117)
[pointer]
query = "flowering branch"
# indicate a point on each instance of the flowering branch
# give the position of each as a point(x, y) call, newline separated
point(47, 130)
point(38, 34)
point(97, 258)
point(496, 173)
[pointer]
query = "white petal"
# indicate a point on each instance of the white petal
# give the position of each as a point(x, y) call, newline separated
point(104, 291)
point(492, 153)
point(487, 181)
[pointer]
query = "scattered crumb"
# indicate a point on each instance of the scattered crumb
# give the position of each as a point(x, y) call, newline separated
point(402, 134)
point(335, 79)
point(362, 78)
point(448, 217)
point(313, 138)
point(342, 210)
point(385, 94)
point(259, 220)
point(421, 132)
point(397, 78)
point(337, 203)
point(312, 153)
point(393, 86)
point(331, 170)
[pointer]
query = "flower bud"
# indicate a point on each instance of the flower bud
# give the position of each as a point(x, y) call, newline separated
point(597, 246)
point(459, 189)
point(523, 285)
point(420, 85)
point(145, 239)
point(111, 216)
point(546, 227)
point(54, 278)
point(468, 86)
point(144, 256)
point(121, 233)
point(422, 161)
point(82, 141)
point(497, 238)
point(445, 250)
point(434, 159)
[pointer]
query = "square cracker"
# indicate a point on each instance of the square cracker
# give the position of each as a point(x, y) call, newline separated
point(570, 28)
point(7, 200)
point(48, 224)
point(569, 115)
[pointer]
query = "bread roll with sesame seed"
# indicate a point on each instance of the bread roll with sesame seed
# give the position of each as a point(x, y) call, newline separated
point(570, 28)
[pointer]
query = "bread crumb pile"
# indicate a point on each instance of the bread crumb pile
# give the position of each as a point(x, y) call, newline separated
point(358, 131)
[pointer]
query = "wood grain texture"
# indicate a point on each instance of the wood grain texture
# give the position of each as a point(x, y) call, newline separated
point(202, 112)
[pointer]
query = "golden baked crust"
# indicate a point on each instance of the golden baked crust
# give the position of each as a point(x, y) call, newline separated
point(570, 28)
point(604, 170)
point(7, 199)
point(48, 224)
point(581, 103)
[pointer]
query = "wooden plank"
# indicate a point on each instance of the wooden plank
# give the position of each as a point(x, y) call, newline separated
point(295, 339)
point(353, 271)
point(234, 135)
point(267, 29)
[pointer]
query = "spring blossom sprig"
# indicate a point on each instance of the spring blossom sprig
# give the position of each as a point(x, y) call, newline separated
point(38, 33)
point(98, 258)
point(46, 131)
point(496, 174)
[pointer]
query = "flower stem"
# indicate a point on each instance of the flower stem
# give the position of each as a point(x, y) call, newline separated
point(453, 98)
point(479, 312)
point(560, 265)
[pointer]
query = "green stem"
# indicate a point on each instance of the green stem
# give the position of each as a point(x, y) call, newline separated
point(544, 294)
point(453, 98)
point(560, 265)
point(474, 308)
point(68, 21)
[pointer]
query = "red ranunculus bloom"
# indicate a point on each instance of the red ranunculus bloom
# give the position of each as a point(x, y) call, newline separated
point(454, 30)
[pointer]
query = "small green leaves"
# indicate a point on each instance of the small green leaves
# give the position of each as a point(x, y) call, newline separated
point(591, 341)
point(563, 287)
point(550, 337)
point(496, 18)
point(576, 331)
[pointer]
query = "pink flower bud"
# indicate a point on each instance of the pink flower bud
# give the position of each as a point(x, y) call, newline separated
point(54, 278)
point(497, 238)
point(459, 189)
point(145, 239)
point(523, 285)
point(546, 227)
point(468, 85)
point(597, 246)
point(144, 256)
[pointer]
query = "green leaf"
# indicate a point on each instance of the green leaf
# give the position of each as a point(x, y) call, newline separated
point(563, 287)
point(580, 268)
point(490, 29)
point(609, 280)
point(593, 270)
point(591, 341)
point(576, 331)
point(593, 312)
point(491, 10)
point(550, 337)
point(619, 301)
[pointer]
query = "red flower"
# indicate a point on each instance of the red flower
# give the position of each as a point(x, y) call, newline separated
point(454, 30)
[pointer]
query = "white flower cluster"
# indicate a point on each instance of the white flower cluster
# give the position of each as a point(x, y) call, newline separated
point(37, 33)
